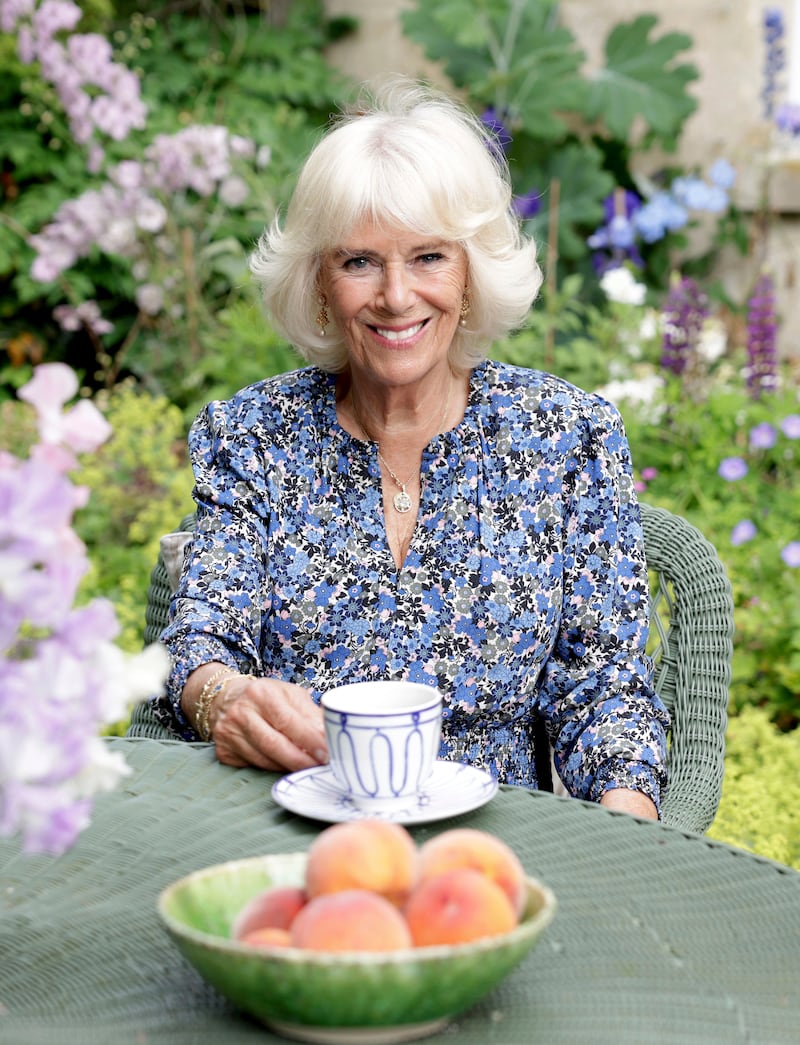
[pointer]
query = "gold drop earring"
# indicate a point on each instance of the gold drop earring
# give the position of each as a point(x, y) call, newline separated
point(322, 316)
point(466, 308)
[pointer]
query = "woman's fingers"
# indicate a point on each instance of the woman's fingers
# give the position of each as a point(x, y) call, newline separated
point(268, 723)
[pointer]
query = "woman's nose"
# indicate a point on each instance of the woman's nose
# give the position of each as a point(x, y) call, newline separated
point(396, 288)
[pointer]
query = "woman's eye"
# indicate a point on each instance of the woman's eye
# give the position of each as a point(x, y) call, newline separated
point(357, 264)
point(431, 257)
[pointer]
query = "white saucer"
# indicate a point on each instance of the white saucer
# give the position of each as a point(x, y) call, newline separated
point(452, 789)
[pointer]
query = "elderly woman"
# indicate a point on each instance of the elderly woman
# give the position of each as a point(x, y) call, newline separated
point(404, 508)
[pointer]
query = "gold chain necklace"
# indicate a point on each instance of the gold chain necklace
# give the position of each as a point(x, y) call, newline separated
point(402, 500)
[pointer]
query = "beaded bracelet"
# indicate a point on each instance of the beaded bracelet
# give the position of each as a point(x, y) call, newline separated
point(212, 686)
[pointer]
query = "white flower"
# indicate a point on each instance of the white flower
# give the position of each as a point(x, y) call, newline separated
point(619, 285)
point(713, 341)
point(151, 215)
point(234, 191)
point(150, 298)
point(642, 394)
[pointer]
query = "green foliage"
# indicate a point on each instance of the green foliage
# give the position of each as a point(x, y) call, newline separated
point(140, 487)
point(569, 127)
point(761, 789)
point(219, 64)
point(640, 80)
point(508, 53)
point(685, 449)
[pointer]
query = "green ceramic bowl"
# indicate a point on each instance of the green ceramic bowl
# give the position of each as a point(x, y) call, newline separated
point(348, 998)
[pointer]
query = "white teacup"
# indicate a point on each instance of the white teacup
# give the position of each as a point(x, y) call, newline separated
point(383, 738)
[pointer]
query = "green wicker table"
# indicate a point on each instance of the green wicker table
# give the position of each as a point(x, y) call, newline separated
point(661, 935)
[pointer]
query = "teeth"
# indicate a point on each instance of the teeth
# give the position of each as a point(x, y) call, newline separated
point(399, 335)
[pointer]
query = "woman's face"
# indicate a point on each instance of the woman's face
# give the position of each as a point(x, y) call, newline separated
point(396, 296)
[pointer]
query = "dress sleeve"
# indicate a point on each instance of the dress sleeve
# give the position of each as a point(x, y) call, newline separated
point(216, 612)
point(605, 721)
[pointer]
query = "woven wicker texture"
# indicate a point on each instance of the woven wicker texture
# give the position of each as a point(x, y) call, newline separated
point(693, 624)
point(661, 935)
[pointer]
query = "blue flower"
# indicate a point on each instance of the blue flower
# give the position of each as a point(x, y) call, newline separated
point(791, 554)
point(743, 532)
point(732, 468)
point(722, 174)
point(763, 436)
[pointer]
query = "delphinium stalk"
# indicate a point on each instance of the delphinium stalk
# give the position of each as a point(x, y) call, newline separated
point(774, 57)
point(762, 335)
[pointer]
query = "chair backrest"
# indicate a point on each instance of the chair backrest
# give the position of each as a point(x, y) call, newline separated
point(692, 636)
point(691, 645)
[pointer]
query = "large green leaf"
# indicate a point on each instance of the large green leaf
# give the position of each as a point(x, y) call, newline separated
point(583, 184)
point(642, 80)
point(508, 53)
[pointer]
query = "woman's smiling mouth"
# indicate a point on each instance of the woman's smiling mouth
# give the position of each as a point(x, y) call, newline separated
point(391, 334)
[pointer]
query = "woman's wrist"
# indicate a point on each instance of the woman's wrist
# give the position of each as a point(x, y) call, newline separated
point(202, 689)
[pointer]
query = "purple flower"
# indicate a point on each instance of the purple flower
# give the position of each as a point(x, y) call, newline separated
point(618, 233)
point(649, 473)
point(774, 60)
point(61, 676)
point(787, 118)
point(499, 137)
point(791, 554)
point(529, 204)
point(684, 315)
point(732, 468)
point(790, 426)
point(743, 532)
point(763, 436)
point(762, 332)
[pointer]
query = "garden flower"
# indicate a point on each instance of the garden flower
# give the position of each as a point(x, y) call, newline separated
point(618, 284)
point(791, 555)
point(97, 94)
point(87, 315)
point(499, 137)
point(685, 313)
point(61, 676)
point(722, 174)
point(787, 118)
point(790, 426)
point(775, 57)
point(763, 436)
point(743, 532)
point(732, 469)
point(528, 204)
point(762, 333)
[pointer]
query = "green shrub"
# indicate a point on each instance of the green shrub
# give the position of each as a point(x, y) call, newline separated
point(760, 807)
point(140, 486)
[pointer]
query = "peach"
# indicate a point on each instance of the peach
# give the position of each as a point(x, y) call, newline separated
point(269, 937)
point(273, 908)
point(479, 850)
point(362, 854)
point(351, 920)
point(458, 906)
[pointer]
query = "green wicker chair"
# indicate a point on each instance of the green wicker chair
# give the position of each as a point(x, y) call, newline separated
point(691, 644)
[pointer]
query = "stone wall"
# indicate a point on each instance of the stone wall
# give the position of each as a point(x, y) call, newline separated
point(729, 54)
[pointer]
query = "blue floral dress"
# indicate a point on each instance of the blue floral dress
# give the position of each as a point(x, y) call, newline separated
point(524, 591)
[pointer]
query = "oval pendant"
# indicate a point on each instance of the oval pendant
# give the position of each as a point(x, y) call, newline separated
point(402, 502)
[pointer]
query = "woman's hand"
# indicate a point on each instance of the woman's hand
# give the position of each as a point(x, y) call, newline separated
point(626, 801)
point(267, 723)
point(262, 722)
